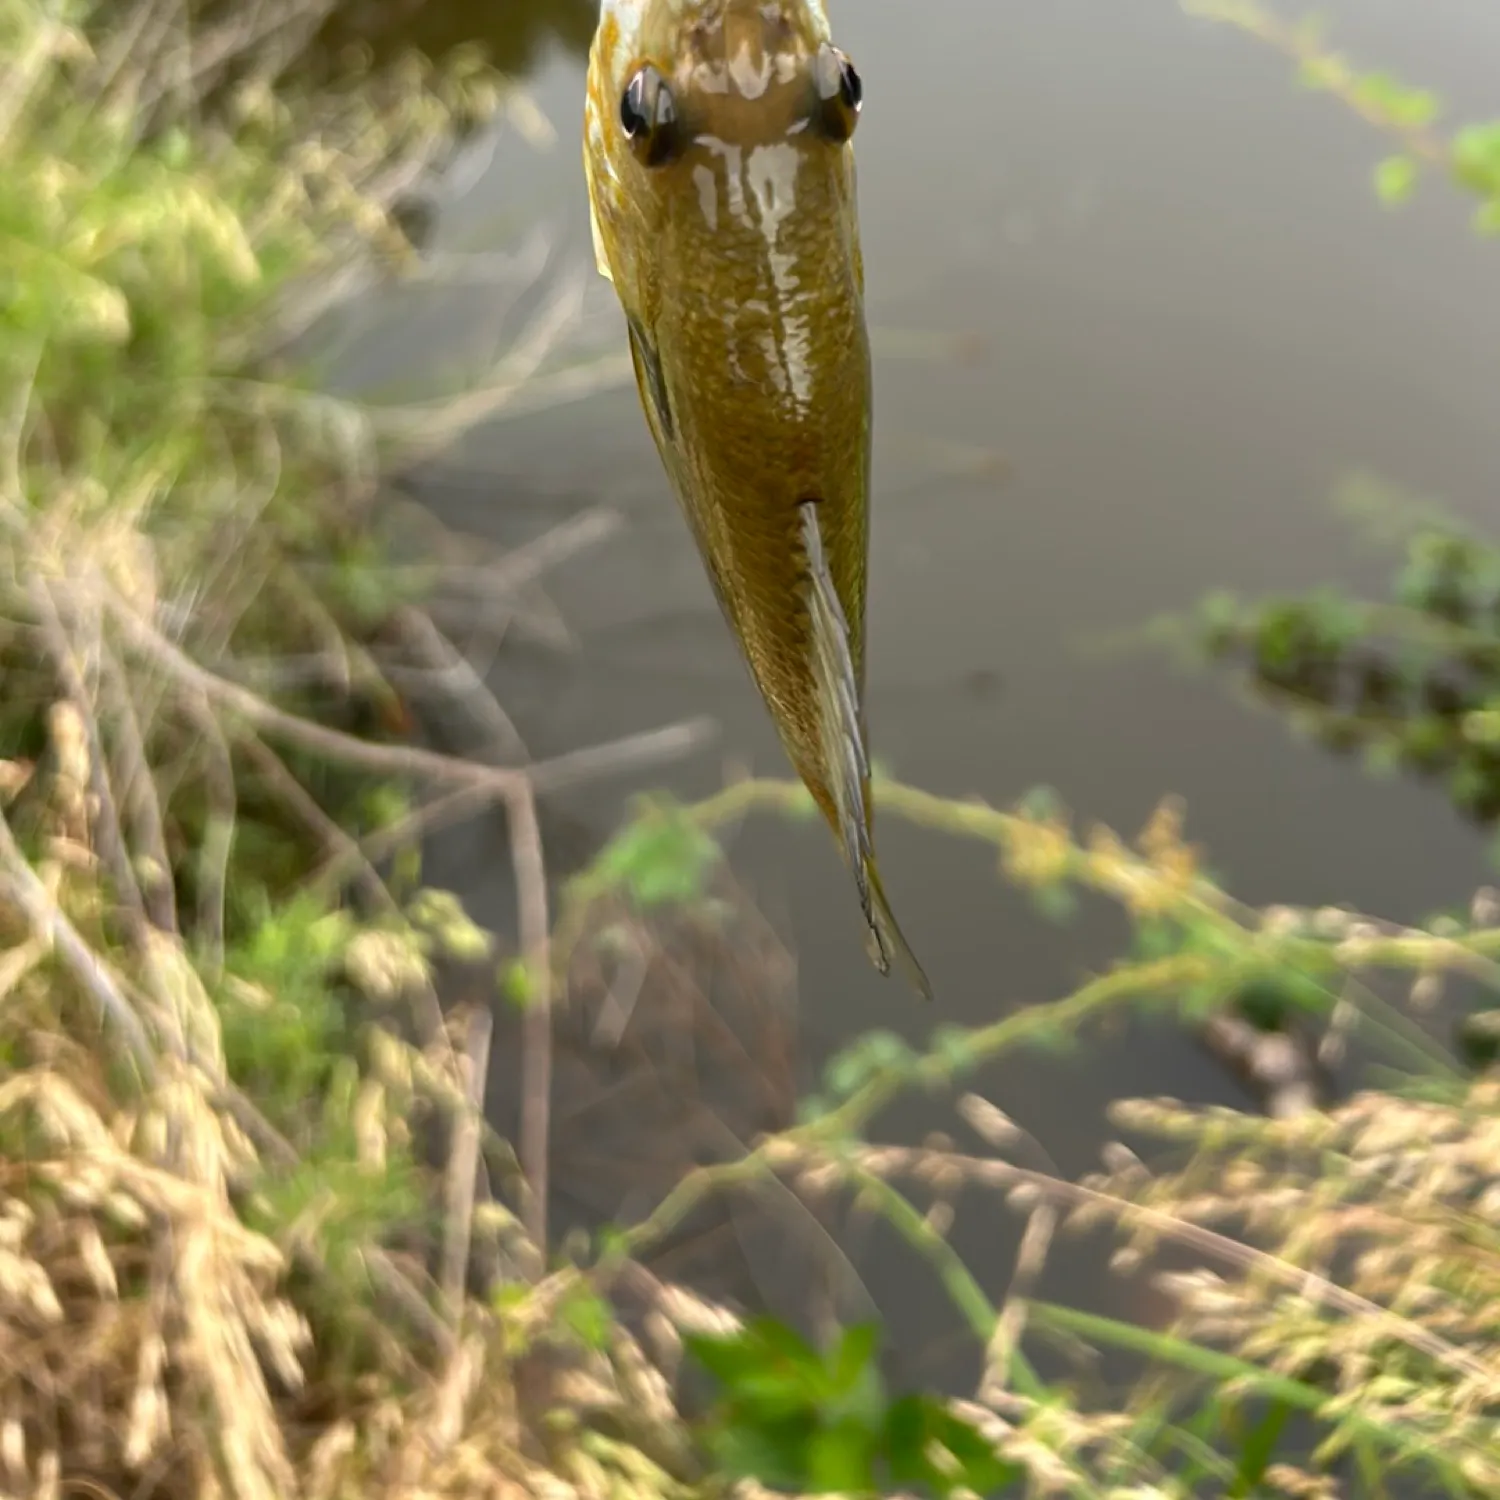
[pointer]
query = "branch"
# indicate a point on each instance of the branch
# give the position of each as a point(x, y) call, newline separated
point(20, 885)
point(499, 783)
point(141, 801)
point(536, 1041)
point(463, 1160)
point(343, 850)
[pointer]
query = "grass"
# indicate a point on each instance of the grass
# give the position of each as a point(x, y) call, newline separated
point(258, 1237)
point(231, 1260)
point(1344, 1253)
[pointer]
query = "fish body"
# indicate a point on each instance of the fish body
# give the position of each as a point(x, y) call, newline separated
point(717, 147)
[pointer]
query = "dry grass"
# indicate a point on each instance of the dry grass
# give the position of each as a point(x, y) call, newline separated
point(251, 1243)
point(216, 1266)
point(1333, 1262)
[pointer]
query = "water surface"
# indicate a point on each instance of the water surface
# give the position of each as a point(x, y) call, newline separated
point(1194, 321)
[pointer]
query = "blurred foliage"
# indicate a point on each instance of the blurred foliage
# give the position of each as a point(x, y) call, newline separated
point(511, 37)
point(240, 1218)
point(660, 857)
point(1410, 118)
point(793, 1419)
point(216, 1212)
point(1413, 684)
point(1279, 1401)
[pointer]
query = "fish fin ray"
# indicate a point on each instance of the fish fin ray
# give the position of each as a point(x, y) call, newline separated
point(845, 760)
point(651, 378)
point(590, 173)
point(886, 935)
point(601, 261)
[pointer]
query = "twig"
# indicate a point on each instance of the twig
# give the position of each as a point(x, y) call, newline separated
point(405, 760)
point(1304, 1281)
point(455, 676)
point(441, 812)
point(1330, 70)
point(1031, 1258)
point(106, 821)
point(539, 619)
point(463, 1160)
point(20, 885)
point(536, 1035)
point(1280, 1067)
point(262, 1132)
point(386, 1275)
point(218, 833)
point(1408, 948)
point(142, 804)
point(420, 429)
point(344, 850)
point(528, 562)
point(563, 387)
point(960, 1282)
point(981, 1047)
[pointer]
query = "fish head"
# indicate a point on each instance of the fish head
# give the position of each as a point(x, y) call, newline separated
point(681, 89)
point(747, 72)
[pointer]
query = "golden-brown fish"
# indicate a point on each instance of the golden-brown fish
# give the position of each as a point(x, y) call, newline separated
point(721, 185)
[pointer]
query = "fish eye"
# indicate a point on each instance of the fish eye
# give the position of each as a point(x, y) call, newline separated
point(648, 114)
point(840, 93)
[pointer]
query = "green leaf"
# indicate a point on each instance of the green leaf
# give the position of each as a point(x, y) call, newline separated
point(981, 1468)
point(774, 1454)
point(588, 1316)
point(954, 1045)
point(840, 1460)
point(855, 1351)
point(1056, 903)
point(1401, 104)
point(516, 984)
point(726, 1357)
point(1395, 180)
point(914, 1423)
point(906, 1432)
point(1258, 1451)
point(1476, 158)
point(662, 858)
point(1487, 218)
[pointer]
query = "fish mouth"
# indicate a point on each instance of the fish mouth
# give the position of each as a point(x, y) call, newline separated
point(756, 52)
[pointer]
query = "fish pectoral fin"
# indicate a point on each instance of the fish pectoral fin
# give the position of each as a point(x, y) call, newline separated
point(845, 763)
point(651, 378)
point(601, 261)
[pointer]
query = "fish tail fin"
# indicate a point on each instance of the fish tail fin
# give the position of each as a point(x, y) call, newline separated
point(845, 764)
point(885, 939)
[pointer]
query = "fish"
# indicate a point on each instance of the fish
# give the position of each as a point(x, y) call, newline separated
point(718, 152)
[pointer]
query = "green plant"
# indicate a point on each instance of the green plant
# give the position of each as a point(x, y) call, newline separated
point(235, 1263)
point(1212, 1402)
point(795, 1419)
point(1412, 684)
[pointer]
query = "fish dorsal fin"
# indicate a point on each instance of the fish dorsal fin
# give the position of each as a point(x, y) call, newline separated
point(845, 761)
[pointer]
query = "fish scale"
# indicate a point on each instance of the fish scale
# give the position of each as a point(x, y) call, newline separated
point(722, 197)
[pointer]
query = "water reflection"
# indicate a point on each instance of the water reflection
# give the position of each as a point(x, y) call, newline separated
point(1194, 321)
point(513, 34)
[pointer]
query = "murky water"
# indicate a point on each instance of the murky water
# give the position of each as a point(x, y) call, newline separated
point(1194, 321)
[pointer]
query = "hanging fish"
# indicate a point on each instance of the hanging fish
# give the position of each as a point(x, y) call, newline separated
point(717, 145)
